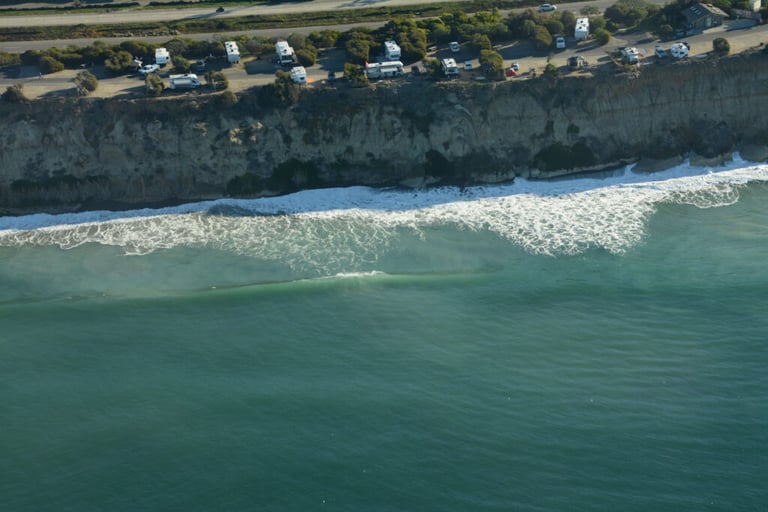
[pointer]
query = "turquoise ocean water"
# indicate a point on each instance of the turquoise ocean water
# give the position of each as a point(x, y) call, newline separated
point(598, 343)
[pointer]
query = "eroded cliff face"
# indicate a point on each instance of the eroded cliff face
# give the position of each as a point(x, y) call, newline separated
point(74, 153)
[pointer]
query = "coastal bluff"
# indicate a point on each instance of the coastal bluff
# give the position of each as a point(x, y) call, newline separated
point(67, 154)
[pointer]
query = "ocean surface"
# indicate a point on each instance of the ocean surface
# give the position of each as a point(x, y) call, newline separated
point(597, 343)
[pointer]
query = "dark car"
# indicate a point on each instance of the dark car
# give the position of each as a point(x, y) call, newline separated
point(415, 70)
point(331, 76)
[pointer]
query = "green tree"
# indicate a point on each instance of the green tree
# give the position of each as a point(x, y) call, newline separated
point(602, 36)
point(154, 85)
point(492, 65)
point(49, 65)
point(721, 46)
point(86, 82)
point(554, 26)
point(324, 38)
point(307, 56)
point(119, 63)
point(480, 42)
point(282, 92)
point(355, 74)
point(542, 38)
point(180, 64)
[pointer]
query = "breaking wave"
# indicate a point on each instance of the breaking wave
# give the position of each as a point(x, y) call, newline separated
point(355, 225)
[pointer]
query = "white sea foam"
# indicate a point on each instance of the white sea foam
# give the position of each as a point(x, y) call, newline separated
point(352, 226)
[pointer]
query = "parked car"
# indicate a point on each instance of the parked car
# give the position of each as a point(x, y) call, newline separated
point(415, 70)
point(454, 46)
point(515, 67)
point(547, 8)
point(559, 42)
point(200, 66)
point(661, 53)
point(149, 68)
point(467, 65)
point(331, 76)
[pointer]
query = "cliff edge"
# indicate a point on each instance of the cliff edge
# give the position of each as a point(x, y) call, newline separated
point(71, 154)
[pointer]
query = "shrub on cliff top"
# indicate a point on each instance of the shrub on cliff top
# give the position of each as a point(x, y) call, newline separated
point(721, 46)
point(49, 65)
point(154, 84)
point(14, 94)
point(86, 82)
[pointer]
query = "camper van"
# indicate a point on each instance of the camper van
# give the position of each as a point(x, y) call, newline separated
point(186, 81)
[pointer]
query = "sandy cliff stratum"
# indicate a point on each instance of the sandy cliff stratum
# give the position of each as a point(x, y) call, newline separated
point(71, 154)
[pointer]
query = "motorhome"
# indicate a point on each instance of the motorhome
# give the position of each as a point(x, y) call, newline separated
point(233, 52)
point(679, 50)
point(186, 81)
point(162, 57)
point(391, 51)
point(630, 55)
point(299, 75)
point(581, 32)
point(450, 68)
point(285, 53)
point(390, 69)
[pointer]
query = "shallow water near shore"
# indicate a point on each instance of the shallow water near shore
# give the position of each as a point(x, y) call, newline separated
point(584, 344)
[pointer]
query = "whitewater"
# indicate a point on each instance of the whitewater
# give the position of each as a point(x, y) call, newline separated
point(348, 227)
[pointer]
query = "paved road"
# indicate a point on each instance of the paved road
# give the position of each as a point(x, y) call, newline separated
point(147, 15)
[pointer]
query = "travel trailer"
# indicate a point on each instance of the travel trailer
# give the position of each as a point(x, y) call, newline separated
point(581, 32)
point(162, 57)
point(233, 52)
point(391, 51)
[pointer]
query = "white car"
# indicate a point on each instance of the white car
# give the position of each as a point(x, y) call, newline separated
point(559, 42)
point(454, 46)
point(547, 8)
point(149, 68)
point(468, 65)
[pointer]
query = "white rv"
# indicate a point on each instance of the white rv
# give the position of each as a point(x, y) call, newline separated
point(233, 52)
point(630, 55)
point(384, 69)
point(285, 53)
point(581, 32)
point(299, 75)
point(391, 50)
point(186, 81)
point(162, 57)
point(679, 50)
point(450, 68)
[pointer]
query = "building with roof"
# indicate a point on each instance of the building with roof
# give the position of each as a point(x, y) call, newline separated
point(700, 17)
